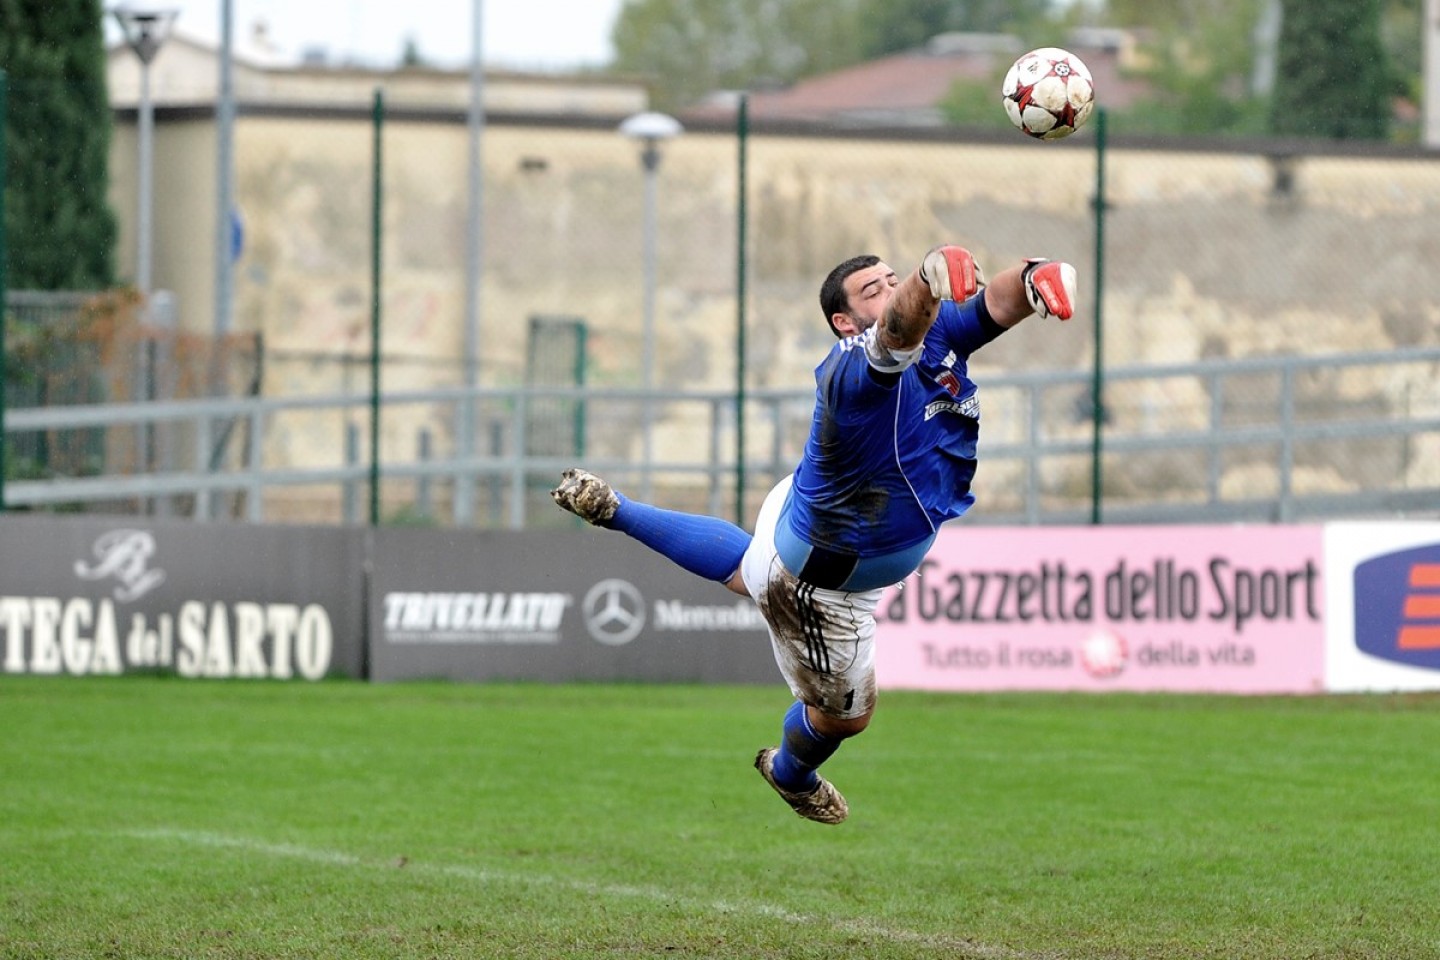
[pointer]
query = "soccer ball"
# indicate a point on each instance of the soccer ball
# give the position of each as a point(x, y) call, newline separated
point(1048, 93)
point(1104, 654)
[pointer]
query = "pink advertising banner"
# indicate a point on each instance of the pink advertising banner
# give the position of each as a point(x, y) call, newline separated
point(1200, 609)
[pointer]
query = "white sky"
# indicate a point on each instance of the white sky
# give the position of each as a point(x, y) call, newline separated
point(534, 34)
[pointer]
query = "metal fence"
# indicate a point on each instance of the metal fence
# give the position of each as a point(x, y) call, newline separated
point(90, 350)
point(1269, 314)
point(1176, 440)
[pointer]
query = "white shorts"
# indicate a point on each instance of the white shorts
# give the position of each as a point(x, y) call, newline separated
point(824, 640)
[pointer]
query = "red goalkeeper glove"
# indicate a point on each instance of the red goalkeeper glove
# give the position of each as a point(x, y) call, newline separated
point(1050, 287)
point(951, 273)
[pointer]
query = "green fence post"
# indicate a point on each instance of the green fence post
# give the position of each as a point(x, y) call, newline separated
point(743, 130)
point(376, 222)
point(4, 284)
point(1097, 386)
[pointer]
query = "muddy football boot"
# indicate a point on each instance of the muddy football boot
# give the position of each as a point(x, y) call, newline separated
point(824, 804)
point(586, 496)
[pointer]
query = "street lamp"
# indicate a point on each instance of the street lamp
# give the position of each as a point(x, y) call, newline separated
point(650, 130)
point(145, 30)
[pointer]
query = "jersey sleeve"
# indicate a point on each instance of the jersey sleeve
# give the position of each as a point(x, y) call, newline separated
point(848, 384)
point(966, 327)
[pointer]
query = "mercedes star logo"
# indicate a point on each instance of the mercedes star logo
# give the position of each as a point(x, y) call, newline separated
point(614, 612)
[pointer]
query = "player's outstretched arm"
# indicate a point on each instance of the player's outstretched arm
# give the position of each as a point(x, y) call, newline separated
point(1044, 287)
point(946, 273)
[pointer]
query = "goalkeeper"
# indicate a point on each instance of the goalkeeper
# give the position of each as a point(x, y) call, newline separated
point(890, 457)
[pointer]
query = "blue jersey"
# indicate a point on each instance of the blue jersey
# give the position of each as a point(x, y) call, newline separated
point(890, 457)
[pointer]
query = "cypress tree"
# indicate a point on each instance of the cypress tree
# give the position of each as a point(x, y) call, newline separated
point(1332, 78)
point(60, 227)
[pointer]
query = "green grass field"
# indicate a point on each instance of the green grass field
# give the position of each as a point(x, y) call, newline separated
point(144, 817)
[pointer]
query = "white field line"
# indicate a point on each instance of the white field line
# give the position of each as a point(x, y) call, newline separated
point(484, 876)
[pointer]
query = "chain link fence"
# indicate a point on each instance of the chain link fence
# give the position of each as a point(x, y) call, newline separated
point(78, 349)
point(1213, 253)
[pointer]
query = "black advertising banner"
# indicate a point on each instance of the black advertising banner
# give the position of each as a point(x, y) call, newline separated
point(116, 595)
point(554, 606)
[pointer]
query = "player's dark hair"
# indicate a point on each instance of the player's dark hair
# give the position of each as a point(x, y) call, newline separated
point(832, 292)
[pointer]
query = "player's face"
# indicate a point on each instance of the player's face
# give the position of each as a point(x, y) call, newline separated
point(868, 292)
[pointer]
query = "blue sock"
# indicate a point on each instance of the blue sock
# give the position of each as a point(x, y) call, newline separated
point(706, 546)
point(801, 751)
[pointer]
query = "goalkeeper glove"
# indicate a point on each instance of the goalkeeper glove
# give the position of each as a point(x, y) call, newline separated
point(951, 273)
point(1050, 287)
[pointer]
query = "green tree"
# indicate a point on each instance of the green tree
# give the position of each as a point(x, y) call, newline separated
point(1210, 60)
point(1200, 60)
point(61, 229)
point(1334, 77)
point(975, 103)
point(1402, 32)
point(695, 47)
point(890, 26)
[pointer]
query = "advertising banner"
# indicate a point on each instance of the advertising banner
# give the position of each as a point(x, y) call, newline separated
point(115, 595)
point(1383, 598)
point(554, 605)
point(1235, 609)
point(1222, 609)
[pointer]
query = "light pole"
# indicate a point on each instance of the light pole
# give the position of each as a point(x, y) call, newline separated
point(650, 129)
point(464, 508)
point(226, 244)
point(145, 30)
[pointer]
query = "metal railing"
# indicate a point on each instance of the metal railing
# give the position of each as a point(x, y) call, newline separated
point(1275, 436)
point(1182, 443)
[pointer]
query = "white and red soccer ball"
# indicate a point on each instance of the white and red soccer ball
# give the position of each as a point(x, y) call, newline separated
point(1048, 93)
point(1104, 654)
